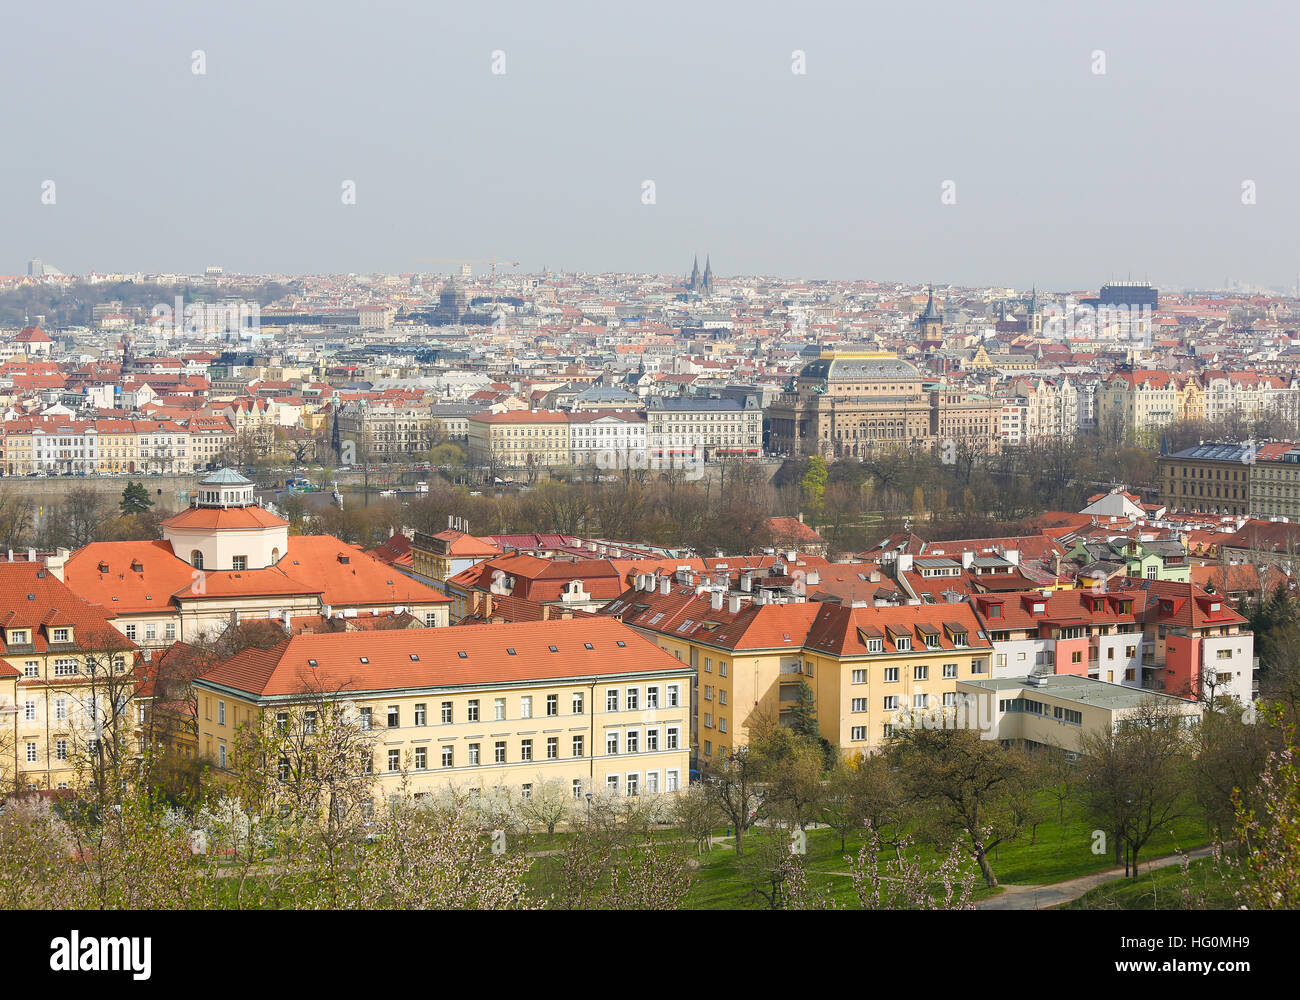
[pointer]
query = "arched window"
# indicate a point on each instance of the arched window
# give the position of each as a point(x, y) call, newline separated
point(275, 556)
point(196, 559)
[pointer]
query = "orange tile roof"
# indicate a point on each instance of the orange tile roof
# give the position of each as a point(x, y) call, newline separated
point(430, 658)
point(218, 518)
point(32, 598)
point(362, 580)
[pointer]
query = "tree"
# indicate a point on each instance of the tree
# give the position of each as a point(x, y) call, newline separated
point(1268, 836)
point(904, 883)
point(843, 808)
point(803, 712)
point(548, 805)
point(1136, 775)
point(422, 857)
point(734, 782)
point(696, 814)
point(794, 789)
point(813, 485)
point(970, 784)
point(135, 499)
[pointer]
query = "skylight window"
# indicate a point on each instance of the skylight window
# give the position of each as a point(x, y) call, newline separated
point(365, 659)
point(462, 654)
point(552, 649)
point(622, 644)
point(510, 652)
point(311, 663)
point(415, 657)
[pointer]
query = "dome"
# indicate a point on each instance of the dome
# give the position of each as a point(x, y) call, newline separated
point(224, 477)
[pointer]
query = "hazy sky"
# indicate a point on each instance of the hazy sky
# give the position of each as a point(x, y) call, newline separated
point(1063, 177)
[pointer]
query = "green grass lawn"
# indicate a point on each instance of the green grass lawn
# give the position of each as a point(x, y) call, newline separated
point(1054, 852)
point(1161, 889)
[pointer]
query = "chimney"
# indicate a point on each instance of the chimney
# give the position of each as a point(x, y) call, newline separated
point(904, 562)
point(288, 620)
point(792, 556)
point(1012, 556)
point(733, 604)
point(546, 612)
point(967, 559)
point(801, 517)
point(715, 601)
point(487, 605)
point(665, 586)
point(640, 581)
point(746, 582)
point(812, 578)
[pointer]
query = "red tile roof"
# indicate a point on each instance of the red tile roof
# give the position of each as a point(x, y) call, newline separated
point(430, 658)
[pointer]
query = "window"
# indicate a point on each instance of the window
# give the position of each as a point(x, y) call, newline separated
point(526, 707)
point(978, 666)
point(577, 746)
point(887, 730)
point(552, 747)
point(552, 704)
point(394, 717)
point(891, 674)
point(921, 673)
point(221, 756)
point(60, 635)
point(611, 784)
point(859, 677)
point(29, 710)
point(526, 750)
point(708, 720)
point(577, 787)
point(949, 670)
point(577, 703)
point(499, 753)
point(651, 697)
point(394, 760)
point(858, 733)
point(498, 709)
point(722, 696)
point(672, 780)
point(891, 703)
point(448, 756)
point(309, 722)
point(32, 668)
point(473, 753)
point(670, 738)
point(633, 784)
point(65, 667)
point(446, 713)
point(421, 758)
point(239, 563)
point(526, 790)
point(221, 712)
point(875, 645)
point(633, 741)
point(903, 643)
point(859, 704)
point(722, 668)
point(722, 724)
point(31, 751)
point(652, 739)
point(920, 700)
point(282, 721)
point(708, 665)
point(708, 692)
point(611, 700)
point(652, 782)
point(472, 710)
point(611, 743)
point(130, 632)
point(708, 748)
point(151, 631)
point(673, 699)
point(950, 699)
